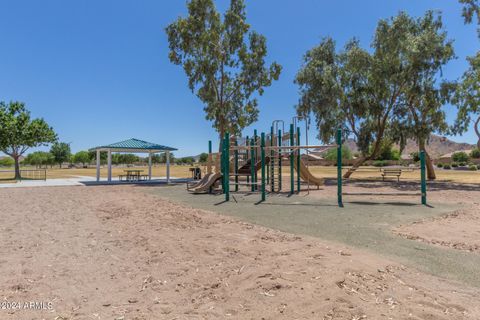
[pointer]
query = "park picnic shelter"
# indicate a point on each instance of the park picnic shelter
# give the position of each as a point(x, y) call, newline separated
point(133, 146)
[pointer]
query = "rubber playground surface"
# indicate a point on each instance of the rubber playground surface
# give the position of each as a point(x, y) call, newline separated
point(360, 223)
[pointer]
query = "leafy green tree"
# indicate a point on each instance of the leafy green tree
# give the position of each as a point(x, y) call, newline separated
point(331, 154)
point(156, 158)
point(224, 62)
point(475, 154)
point(129, 158)
point(103, 156)
point(61, 152)
point(163, 158)
point(203, 157)
point(360, 91)
point(82, 157)
point(39, 159)
point(471, 8)
point(387, 152)
point(460, 156)
point(426, 52)
point(467, 99)
point(18, 132)
point(6, 162)
point(186, 160)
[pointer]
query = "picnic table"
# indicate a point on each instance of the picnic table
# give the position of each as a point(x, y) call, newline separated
point(133, 175)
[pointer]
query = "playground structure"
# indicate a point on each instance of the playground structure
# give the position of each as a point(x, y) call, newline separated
point(255, 165)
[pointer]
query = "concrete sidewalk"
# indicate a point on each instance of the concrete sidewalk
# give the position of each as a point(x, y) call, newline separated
point(85, 181)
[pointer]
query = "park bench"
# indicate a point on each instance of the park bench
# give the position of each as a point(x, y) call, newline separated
point(391, 173)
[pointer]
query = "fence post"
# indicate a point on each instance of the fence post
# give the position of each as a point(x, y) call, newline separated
point(423, 178)
point(339, 168)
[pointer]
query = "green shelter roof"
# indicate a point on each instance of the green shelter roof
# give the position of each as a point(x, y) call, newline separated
point(134, 145)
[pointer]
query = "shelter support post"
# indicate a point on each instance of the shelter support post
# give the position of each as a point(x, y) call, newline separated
point(168, 166)
point(98, 165)
point(109, 160)
point(149, 166)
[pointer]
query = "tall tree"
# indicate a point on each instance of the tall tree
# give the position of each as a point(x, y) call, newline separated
point(61, 152)
point(18, 132)
point(471, 8)
point(82, 157)
point(427, 50)
point(355, 89)
point(467, 97)
point(224, 62)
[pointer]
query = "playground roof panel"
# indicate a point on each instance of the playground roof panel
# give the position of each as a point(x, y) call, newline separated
point(134, 145)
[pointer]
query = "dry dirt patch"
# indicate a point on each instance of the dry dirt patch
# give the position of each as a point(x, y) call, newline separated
point(118, 253)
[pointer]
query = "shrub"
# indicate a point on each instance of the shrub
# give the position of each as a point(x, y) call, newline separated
point(460, 157)
point(475, 153)
point(440, 165)
point(331, 154)
point(473, 167)
point(462, 164)
point(447, 166)
point(379, 163)
point(454, 165)
point(415, 156)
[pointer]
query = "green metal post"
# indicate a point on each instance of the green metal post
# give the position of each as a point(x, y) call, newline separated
point(423, 177)
point(227, 167)
point(272, 162)
point(262, 151)
point(292, 170)
point(255, 137)
point(279, 160)
point(252, 163)
point(210, 158)
point(236, 165)
point(339, 168)
point(298, 160)
point(223, 164)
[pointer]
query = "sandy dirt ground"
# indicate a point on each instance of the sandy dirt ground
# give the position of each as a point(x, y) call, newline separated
point(459, 230)
point(119, 253)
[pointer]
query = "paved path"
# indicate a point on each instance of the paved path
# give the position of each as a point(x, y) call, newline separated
point(82, 181)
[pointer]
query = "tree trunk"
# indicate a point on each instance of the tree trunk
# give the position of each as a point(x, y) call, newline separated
point(17, 168)
point(428, 162)
point(362, 160)
point(477, 131)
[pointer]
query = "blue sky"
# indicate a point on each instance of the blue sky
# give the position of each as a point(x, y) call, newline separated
point(98, 70)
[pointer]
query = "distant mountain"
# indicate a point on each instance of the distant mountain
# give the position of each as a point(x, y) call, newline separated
point(436, 147)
